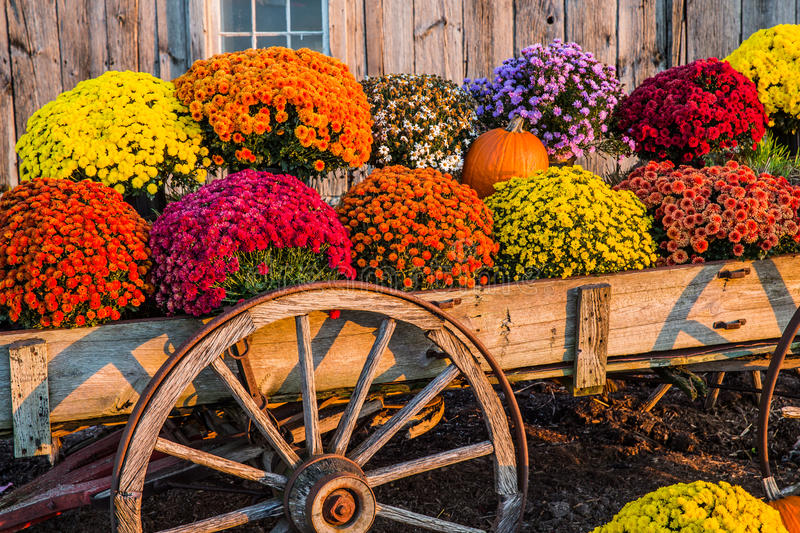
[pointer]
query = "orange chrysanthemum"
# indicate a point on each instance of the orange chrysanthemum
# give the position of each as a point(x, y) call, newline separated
point(72, 254)
point(246, 99)
point(409, 227)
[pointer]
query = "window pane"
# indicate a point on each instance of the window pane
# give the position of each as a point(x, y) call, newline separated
point(234, 44)
point(306, 15)
point(272, 40)
point(307, 41)
point(236, 15)
point(271, 15)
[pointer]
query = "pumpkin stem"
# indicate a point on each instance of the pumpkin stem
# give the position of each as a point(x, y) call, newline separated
point(516, 125)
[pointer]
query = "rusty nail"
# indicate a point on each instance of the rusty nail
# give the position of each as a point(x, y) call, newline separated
point(447, 304)
point(733, 324)
point(734, 274)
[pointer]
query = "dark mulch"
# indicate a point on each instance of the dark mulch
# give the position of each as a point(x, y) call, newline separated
point(588, 457)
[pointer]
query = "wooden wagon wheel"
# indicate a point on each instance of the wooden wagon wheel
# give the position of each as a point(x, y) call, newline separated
point(326, 490)
point(762, 440)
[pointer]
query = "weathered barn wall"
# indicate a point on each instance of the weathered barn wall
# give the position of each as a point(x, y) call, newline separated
point(47, 46)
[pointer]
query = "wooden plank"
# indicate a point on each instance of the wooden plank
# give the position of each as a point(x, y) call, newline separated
point(337, 29)
point(593, 25)
point(8, 134)
point(655, 397)
point(398, 36)
point(439, 38)
point(35, 56)
point(638, 55)
point(122, 21)
point(177, 42)
point(253, 513)
point(713, 28)
point(537, 21)
point(198, 31)
point(347, 34)
point(678, 27)
point(220, 464)
point(761, 14)
point(364, 451)
point(30, 402)
point(147, 37)
point(488, 35)
point(591, 339)
point(756, 375)
point(83, 49)
point(504, 458)
point(331, 186)
point(387, 474)
point(373, 28)
point(308, 388)
point(344, 431)
point(162, 40)
point(790, 412)
point(99, 372)
point(713, 394)
point(430, 523)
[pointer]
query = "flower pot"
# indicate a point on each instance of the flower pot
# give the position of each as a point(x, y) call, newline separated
point(149, 208)
point(568, 162)
point(788, 139)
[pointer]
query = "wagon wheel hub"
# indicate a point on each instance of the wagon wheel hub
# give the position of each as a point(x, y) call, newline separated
point(339, 507)
point(327, 494)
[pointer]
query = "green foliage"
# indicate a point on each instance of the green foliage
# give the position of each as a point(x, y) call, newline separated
point(774, 158)
point(275, 268)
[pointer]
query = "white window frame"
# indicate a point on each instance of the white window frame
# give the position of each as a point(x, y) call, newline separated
point(217, 34)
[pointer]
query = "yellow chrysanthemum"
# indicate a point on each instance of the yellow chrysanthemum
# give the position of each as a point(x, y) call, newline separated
point(771, 59)
point(566, 221)
point(124, 129)
point(699, 506)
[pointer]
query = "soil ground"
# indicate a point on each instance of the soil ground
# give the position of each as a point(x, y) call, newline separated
point(588, 457)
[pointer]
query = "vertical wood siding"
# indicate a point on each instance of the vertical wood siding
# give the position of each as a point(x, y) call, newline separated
point(47, 46)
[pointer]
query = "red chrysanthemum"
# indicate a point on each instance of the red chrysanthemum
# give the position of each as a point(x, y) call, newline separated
point(685, 112)
point(716, 212)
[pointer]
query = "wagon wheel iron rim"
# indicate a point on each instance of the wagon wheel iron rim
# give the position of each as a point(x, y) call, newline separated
point(771, 488)
point(331, 488)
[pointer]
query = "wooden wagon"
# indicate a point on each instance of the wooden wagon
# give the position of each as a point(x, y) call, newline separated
point(307, 382)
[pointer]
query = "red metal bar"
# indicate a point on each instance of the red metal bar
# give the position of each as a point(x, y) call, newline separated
point(69, 485)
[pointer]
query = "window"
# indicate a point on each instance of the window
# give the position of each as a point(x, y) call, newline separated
point(262, 23)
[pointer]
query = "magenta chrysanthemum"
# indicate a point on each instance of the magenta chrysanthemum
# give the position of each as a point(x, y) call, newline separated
point(242, 235)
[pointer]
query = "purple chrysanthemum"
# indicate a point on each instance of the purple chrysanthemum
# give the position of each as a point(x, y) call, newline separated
point(565, 95)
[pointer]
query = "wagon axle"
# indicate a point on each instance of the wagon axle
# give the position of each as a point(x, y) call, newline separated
point(330, 493)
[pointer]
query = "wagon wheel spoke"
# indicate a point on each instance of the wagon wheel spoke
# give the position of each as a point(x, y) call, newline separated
point(308, 387)
point(220, 464)
point(397, 514)
point(391, 473)
point(265, 509)
point(374, 442)
point(344, 431)
point(259, 418)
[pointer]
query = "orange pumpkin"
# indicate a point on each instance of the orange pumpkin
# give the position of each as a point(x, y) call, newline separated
point(501, 154)
point(789, 508)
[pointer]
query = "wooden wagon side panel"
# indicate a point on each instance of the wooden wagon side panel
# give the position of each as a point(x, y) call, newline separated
point(99, 372)
point(528, 324)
